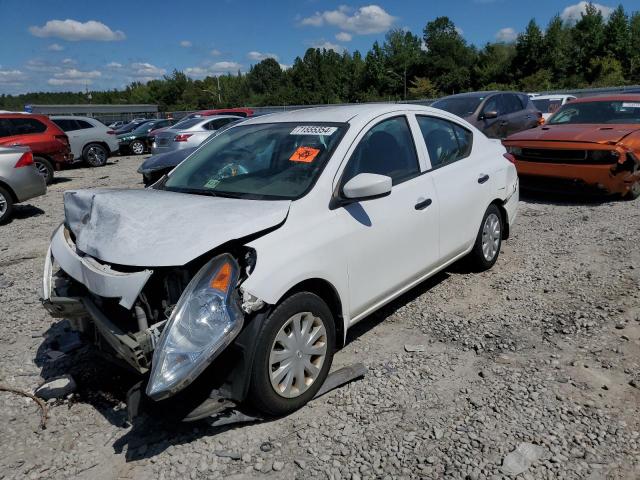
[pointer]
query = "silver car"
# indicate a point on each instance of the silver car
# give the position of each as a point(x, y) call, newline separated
point(189, 133)
point(19, 179)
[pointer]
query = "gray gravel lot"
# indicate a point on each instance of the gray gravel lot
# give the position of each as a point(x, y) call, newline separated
point(544, 349)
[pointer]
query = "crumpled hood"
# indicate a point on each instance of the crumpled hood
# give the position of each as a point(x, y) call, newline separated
point(156, 228)
point(576, 133)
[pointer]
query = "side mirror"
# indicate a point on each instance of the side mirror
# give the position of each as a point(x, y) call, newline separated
point(367, 185)
point(489, 115)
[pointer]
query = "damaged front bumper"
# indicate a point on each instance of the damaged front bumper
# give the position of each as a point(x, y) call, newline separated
point(78, 290)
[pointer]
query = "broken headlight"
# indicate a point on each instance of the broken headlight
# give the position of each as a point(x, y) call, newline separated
point(204, 321)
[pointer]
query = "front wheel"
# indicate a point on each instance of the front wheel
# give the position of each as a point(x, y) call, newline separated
point(137, 147)
point(95, 155)
point(6, 205)
point(44, 168)
point(488, 241)
point(293, 355)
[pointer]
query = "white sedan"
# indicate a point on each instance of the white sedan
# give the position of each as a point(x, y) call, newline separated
point(237, 276)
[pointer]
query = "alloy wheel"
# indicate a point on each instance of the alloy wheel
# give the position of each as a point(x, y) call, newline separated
point(297, 354)
point(3, 205)
point(42, 169)
point(137, 148)
point(96, 155)
point(491, 235)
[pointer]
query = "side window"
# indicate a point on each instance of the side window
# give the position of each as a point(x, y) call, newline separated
point(67, 125)
point(387, 149)
point(446, 141)
point(25, 126)
point(5, 128)
point(83, 124)
point(511, 102)
point(493, 104)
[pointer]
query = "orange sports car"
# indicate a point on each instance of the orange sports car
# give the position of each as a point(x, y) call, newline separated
point(589, 143)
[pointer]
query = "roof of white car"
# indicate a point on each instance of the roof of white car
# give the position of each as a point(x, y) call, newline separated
point(340, 114)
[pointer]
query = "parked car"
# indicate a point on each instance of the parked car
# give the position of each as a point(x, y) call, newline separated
point(19, 179)
point(590, 144)
point(549, 104)
point(131, 126)
point(91, 141)
point(118, 124)
point(189, 133)
point(237, 277)
point(496, 114)
point(156, 166)
point(48, 143)
point(138, 141)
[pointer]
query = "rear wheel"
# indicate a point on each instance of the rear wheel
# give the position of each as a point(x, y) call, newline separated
point(95, 155)
point(44, 168)
point(137, 147)
point(293, 356)
point(6, 205)
point(488, 241)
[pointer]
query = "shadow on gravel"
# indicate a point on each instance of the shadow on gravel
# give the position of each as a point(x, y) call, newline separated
point(22, 212)
point(566, 199)
point(57, 180)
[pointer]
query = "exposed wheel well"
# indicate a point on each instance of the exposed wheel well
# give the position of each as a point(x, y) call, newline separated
point(10, 190)
point(505, 218)
point(328, 293)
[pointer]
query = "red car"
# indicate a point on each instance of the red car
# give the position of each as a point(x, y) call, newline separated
point(49, 144)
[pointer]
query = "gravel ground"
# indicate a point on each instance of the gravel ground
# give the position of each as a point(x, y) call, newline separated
point(544, 349)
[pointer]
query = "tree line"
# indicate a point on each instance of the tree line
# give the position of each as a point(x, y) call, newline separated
point(592, 52)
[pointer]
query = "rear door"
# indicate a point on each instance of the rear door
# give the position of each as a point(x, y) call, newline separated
point(462, 183)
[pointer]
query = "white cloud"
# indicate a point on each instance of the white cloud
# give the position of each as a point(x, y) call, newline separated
point(114, 65)
point(460, 31)
point(212, 69)
point(12, 77)
point(226, 66)
point(362, 21)
point(186, 44)
point(73, 31)
point(329, 46)
point(284, 66)
point(55, 47)
point(343, 37)
point(68, 61)
point(506, 35)
point(215, 52)
point(259, 56)
point(73, 76)
point(37, 65)
point(573, 13)
point(145, 72)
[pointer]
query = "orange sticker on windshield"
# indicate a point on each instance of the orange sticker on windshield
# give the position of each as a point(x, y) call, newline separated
point(304, 154)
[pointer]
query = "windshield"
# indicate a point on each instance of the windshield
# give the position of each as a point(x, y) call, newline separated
point(262, 161)
point(547, 105)
point(597, 112)
point(461, 106)
point(145, 127)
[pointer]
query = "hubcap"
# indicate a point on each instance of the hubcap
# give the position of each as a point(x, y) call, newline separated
point(297, 354)
point(96, 155)
point(3, 205)
point(491, 237)
point(42, 169)
point(137, 148)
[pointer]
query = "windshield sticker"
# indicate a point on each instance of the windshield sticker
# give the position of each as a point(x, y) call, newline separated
point(313, 130)
point(213, 183)
point(630, 105)
point(304, 154)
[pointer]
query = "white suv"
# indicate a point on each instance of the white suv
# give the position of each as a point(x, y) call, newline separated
point(237, 276)
point(90, 139)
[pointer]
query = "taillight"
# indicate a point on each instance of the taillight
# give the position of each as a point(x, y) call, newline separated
point(110, 132)
point(63, 138)
point(183, 137)
point(509, 157)
point(25, 160)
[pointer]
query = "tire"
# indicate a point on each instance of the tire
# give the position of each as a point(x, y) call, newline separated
point(137, 147)
point(44, 168)
point(95, 155)
point(486, 249)
point(6, 205)
point(634, 192)
point(270, 395)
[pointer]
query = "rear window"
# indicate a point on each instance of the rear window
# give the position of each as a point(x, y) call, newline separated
point(83, 124)
point(548, 105)
point(66, 124)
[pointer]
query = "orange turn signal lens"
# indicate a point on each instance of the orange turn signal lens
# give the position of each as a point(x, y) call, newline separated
point(222, 279)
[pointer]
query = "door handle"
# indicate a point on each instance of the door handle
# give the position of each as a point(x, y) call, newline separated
point(422, 204)
point(483, 178)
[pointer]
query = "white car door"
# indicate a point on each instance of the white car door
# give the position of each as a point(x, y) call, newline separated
point(462, 180)
point(393, 240)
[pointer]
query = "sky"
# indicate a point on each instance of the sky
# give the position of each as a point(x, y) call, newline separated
point(70, 45)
